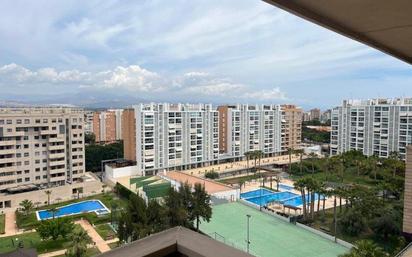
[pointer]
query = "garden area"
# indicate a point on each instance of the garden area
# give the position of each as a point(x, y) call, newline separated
point(61, 233)
point(368, 193)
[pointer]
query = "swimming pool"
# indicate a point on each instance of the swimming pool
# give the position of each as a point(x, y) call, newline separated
point(255, 193)
point(286, 187)
point(95, 206)
point(276, 197)
point(263, 197)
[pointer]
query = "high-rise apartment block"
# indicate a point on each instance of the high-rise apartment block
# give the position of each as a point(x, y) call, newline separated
point(325, 116)
point(180, 136)
point(129, 134)
point(107, 126)
point(88, 122)
point(292, 119)
point(374, 127)
point(245, 128)
point(41, 146)
point(315, 114)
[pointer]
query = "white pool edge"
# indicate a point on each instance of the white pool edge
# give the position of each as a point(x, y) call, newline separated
point(66, 215)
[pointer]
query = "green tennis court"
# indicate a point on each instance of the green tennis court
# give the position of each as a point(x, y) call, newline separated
point(269, 236)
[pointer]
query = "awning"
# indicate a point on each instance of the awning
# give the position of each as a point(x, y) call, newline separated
point(382, 24)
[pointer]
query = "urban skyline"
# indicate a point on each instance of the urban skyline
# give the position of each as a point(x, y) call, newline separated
point(79, 57)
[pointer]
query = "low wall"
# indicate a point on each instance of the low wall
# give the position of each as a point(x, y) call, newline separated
point(274, 214)
point(58, 194)
point(113, 173)
point(324, 235)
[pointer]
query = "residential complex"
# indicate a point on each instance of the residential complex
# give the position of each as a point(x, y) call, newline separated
point(175, 135)
point(183, 136)
point(315, 114)
point(88, 122)
point(107, 125)
point(40, 147)
point(292, 119)
point(245, 128)
point(375, 127)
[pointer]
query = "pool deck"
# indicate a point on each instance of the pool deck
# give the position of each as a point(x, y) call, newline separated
point(269, 236)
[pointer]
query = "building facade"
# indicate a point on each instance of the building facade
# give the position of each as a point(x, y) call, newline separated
point(245, 128)
point(41, 146)
point(107, 126)
point(374, 127)
point(129, 134)
point(88, 122)
point(315, 114)
point(292, 136)
point(175, 136)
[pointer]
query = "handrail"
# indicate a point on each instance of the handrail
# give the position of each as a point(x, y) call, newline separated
point(404, 250)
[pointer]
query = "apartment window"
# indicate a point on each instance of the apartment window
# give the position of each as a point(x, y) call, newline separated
point(26, 171)
point(1, 122)
point(18, 121)
point(26, 154)
point(26, 121)
point(26, 162)
point(9, 122)
point(45, 121)
point(37, 121)
point(37, 177)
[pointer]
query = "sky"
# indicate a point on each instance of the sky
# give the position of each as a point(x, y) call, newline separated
point(115, 53)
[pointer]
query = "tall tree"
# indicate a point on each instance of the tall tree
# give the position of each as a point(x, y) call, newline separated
point(48, 193)
point(300, 185)
point(365, 248)
point(79, 240)
point(27, 206)
point(175, 210)
point(201, 205)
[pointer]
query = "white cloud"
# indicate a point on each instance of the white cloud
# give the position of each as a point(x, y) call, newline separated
point(266, 95)
point(193, 86)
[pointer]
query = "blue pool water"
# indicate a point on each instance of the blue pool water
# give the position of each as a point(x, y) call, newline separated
point(262, 197)
point(286, 187)
point(75, 208)
point(255, 193)
point(276, 197)
point(298, 200)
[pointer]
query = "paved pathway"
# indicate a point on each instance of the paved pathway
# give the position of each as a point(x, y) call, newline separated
point(96, 238)
point(52, 254)
point(10, 228)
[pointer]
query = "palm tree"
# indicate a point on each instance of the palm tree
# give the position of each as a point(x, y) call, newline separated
point(277, 180)
point(248, 155)
point(79, 240)
point(201, 204)
point(53, 210)
point(290, 152)
point(300, 185)
point(48, 193)
point(300, 152)
point(312, 157)
point(27, 206)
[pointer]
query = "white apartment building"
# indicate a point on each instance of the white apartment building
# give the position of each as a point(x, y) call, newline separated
point(41, 146)
point(88, 122)
point(250, 127)
point(375, 127)
point(175, 136)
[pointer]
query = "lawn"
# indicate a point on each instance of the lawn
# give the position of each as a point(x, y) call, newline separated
point(2, 223)
point(269, 235)
point(33, 240)
point(105, 231)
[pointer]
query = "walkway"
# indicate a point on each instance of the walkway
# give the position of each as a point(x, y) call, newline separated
point(10, 228)
point(96, 238)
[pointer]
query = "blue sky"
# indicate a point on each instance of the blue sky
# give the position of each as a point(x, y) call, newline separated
point(218, 51)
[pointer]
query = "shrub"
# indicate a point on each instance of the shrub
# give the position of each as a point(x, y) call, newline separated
point(212, 175)
point(352, 223)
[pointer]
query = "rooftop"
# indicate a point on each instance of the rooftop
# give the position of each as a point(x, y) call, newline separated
point(176, 241)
